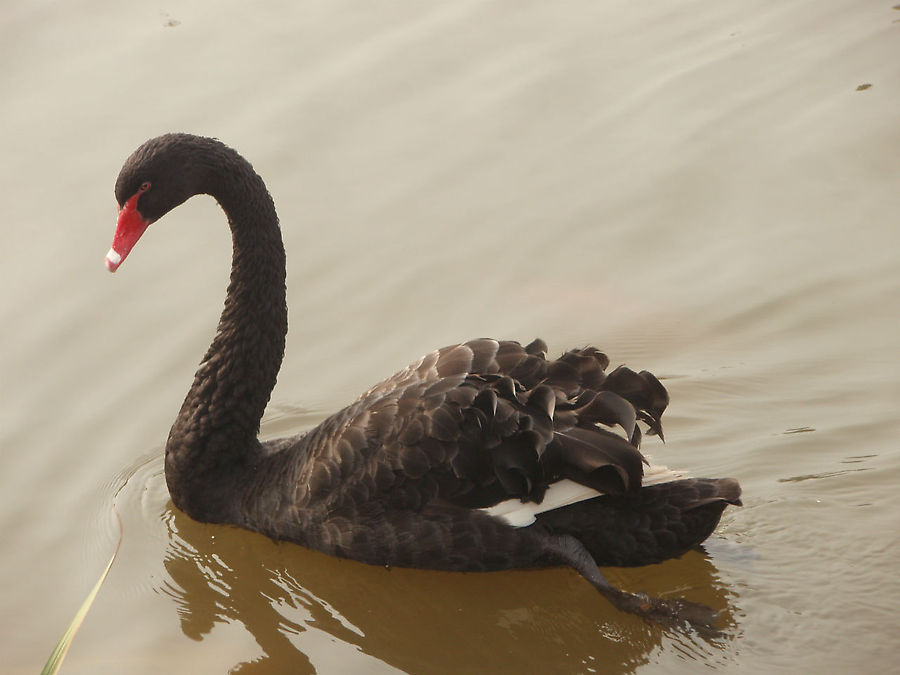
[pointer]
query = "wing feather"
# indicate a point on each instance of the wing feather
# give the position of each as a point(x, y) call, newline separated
point(477, 423)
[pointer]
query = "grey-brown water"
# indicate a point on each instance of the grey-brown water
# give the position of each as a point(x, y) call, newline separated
point(707, 190)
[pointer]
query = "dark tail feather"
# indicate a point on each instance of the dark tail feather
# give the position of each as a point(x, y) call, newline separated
point(657, 523)
point(597, 458)
point(643, 391)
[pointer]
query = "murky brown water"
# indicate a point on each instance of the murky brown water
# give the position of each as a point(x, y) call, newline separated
point(703, 189)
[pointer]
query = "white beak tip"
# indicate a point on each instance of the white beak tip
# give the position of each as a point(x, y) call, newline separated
point(113, 260)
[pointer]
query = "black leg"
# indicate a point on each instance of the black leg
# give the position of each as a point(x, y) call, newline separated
point(670, 613)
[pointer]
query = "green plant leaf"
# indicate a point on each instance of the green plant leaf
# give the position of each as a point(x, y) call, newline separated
point(59, 652)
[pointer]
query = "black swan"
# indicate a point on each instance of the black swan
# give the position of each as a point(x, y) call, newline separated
point(479, 456)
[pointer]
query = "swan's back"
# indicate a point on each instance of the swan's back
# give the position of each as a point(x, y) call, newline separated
point(470, 426)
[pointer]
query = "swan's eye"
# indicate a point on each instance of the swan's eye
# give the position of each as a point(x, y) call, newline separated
point(144, 186)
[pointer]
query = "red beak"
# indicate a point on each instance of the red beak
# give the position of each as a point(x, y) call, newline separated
point(130, 227)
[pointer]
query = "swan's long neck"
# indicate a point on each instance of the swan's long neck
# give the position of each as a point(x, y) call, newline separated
point(213, 442)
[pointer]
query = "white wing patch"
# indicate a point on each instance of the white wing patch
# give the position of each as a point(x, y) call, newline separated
point(565, 492)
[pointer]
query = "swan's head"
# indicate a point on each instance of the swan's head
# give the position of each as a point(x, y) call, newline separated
point(161, 174)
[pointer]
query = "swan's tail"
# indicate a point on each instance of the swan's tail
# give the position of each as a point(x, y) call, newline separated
point(654, 524)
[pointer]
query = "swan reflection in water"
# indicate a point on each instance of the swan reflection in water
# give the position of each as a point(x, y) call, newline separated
point(309, 612)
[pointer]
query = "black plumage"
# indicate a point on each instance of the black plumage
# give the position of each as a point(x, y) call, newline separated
point(401, 475)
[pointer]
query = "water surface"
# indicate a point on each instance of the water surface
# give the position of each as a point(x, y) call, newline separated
point(706, 190)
